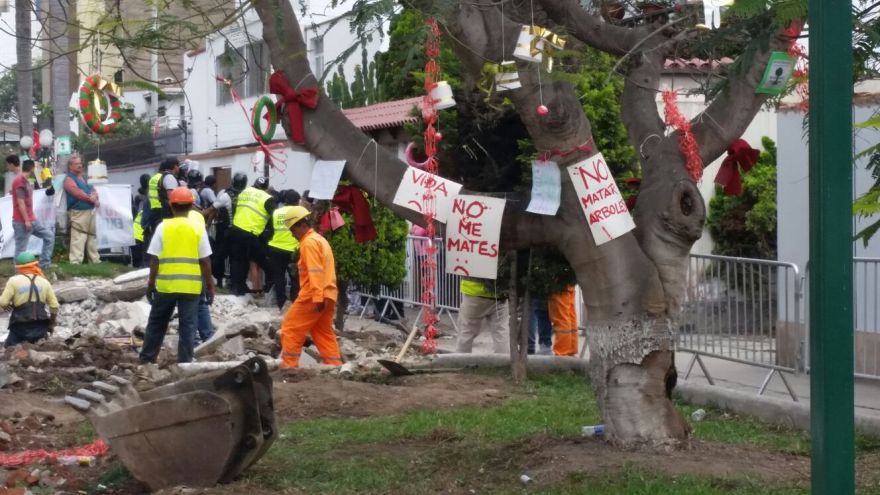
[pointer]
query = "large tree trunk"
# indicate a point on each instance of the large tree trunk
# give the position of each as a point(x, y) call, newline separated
point(24, 77)
point(633, 286)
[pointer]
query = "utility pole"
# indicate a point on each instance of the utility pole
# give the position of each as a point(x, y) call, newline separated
point(831, 247)
point(154, 66)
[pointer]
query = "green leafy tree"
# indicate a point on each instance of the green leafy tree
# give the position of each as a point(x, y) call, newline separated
point(377, 263)
point(745, 225)
point(9, 92)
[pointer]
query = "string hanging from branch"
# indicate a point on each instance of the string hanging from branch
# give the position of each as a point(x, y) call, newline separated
point(272, 152)
point(429, 203)
point(687, 143)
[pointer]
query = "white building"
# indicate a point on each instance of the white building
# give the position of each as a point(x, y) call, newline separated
point(222, 142)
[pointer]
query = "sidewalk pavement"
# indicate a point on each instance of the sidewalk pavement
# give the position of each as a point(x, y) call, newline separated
point(748, 379)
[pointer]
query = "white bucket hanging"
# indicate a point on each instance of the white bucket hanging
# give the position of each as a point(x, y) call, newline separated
point(442, 96)
point(507, 77)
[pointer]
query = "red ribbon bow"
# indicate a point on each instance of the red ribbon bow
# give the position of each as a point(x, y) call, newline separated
point(739, 155)
point(288, 97)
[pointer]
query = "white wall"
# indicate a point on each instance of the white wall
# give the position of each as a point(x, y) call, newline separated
point(227, 125)
point(764, 124)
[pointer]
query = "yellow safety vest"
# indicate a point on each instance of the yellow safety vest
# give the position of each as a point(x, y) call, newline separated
point(153, 191)
point(196, 219)
point(138, 228)
point(250, 211)
point(474, 288)
point(282, 239)
point(179, 270)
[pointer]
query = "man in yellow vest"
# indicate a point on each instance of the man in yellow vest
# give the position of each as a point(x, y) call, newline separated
point(280, 251)
point(158, 188)
point(482, 307)
point(180, 267)
point(253, 210)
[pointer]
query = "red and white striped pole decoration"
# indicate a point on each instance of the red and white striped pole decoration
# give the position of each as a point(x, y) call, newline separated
point(429, 204)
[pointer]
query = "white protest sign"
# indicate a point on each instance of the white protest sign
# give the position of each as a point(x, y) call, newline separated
point(546, 188)
point(601, 200)
point(472, 236)
point(44, 212)
point(325, 178)
point(412, 188)
point(114, 224)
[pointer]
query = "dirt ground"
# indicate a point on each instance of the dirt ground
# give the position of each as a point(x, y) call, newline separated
point(317, 397)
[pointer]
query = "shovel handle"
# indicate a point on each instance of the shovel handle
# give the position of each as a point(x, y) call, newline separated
point(409, 340)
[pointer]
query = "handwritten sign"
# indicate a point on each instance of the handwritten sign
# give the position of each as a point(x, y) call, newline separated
point(412, 188)
point(325, 178)
point(472, 236)
point(601, 200)
point(546, 188)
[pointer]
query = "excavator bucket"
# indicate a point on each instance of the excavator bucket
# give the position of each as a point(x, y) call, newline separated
point(196, 432)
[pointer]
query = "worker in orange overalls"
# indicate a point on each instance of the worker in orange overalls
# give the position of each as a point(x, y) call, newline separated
point(561, 309)
point(311, 314)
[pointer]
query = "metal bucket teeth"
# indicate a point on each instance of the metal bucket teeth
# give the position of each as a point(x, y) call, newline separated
point(92, 396)
point(197, 432)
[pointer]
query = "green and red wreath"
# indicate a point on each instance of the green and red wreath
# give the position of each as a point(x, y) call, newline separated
point(271, 117)
point(96, 94)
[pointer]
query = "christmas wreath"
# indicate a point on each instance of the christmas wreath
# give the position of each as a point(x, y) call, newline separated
point(98, 96)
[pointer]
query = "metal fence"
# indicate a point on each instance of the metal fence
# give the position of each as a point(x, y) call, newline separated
point(866, 316)
point(742, 309)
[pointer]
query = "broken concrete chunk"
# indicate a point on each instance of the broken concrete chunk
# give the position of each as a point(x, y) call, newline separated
point(72, 294)
point(131, 276)
point(130, 291)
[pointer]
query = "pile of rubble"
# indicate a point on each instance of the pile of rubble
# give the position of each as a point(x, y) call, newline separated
point(101, 325)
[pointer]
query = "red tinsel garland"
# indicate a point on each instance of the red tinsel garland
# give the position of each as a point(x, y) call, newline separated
point(429, 204)
point(687, 143)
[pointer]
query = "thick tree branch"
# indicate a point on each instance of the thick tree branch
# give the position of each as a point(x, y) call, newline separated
point(728, 116)
point(591, 29)
point(331, 136)
point(638, 107)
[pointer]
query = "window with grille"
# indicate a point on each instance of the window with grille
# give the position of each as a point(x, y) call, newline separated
point(318, 56)
point(248, 69)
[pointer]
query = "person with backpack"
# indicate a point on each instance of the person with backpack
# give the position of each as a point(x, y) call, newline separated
point(32, 300)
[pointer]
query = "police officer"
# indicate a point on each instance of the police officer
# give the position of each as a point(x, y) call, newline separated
point(180, 270)
point(253, 210)
point(221, 212)
point(281, 247)
point(161, 183)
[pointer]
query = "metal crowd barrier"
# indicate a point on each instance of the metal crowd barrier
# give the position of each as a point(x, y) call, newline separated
point(409, 292)
point(743, 310)
point(866, 315)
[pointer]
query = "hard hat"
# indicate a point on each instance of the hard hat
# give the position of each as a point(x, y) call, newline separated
point(294, 215)
point(239, 181)
point(180, 196)
point(193, 177)
point(262, 183)
point(24, 258)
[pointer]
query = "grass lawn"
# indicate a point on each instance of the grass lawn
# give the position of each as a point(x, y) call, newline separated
point(65, 270)
point(486, 449)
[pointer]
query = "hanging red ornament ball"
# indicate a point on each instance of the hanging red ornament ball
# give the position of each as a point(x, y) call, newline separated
point(543, 110)
point(438, 137)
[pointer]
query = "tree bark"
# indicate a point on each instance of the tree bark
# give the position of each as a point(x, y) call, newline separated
point(60, 68)
point(633, 286)
point(24, 76)
point(341, 304)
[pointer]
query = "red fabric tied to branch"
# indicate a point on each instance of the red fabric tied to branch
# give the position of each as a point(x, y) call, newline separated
point(687, 142)
point(351, 199)
point(288, 97)
point(739, 155)
point(96, 448)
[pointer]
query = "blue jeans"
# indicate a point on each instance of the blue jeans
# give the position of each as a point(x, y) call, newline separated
point(204, 326)
point(157, 326)
point(44, 232)
point(540, 328)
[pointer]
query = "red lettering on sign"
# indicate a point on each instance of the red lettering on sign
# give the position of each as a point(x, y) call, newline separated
point(599, 173)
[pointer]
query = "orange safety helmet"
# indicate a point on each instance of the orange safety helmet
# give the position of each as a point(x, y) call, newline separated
point(180, 196)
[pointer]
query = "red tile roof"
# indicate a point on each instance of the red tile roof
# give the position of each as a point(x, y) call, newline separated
point(386, 114)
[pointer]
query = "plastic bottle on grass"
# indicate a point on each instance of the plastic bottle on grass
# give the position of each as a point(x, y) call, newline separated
point(77, 460)
point(597, 431)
